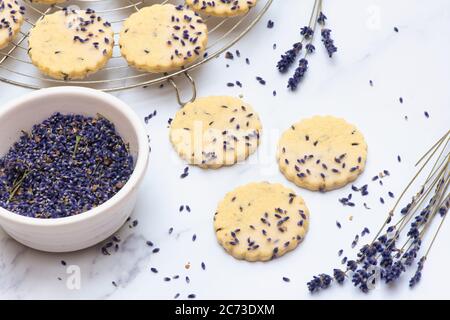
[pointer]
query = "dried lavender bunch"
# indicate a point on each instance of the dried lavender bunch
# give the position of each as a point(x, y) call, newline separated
point(307, 33)
point(384, 259)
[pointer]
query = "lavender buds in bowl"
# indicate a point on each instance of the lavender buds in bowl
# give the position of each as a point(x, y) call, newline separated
point(71, 161)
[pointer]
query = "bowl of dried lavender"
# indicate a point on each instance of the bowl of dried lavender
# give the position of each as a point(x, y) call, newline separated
point(71, 162)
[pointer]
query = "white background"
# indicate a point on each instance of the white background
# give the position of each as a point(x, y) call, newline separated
point(412, 64)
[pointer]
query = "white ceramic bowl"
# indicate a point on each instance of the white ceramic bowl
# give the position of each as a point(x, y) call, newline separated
point(91, 227)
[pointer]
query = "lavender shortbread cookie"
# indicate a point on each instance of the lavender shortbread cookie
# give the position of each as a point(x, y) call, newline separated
point(261, 221)
point(71, 44)
point(322, 153)
point(11, 19)
point(216, 131)
point(221, 8)
point(163, 38)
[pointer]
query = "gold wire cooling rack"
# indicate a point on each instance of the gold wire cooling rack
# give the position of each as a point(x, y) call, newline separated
point(16, 67)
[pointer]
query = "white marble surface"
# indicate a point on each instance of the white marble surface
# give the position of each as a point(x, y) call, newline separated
point(412, 63)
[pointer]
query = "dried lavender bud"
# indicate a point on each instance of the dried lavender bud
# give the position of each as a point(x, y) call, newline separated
point(328, 42)
point(339, 275)
point(66, 165)
point(321, 19)
point(307, 32)
point(298, 75)
point(310, 48)
point(289, 57)
point(321, 281)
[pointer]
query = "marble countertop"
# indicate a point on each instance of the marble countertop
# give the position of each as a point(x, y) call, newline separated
point(412, 63)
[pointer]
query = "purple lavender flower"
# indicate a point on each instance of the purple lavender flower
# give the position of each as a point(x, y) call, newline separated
point(307, 32)
point(411, 254)
point(360, 278)
point(322, 281)
point(393, 272)
point(418, 275)
point(310, 48)
point(444, 208)
point(298, 75)
point(328, 42)
point(339, 275)
point(288, 58)
point(352, 265)
point(321, 19)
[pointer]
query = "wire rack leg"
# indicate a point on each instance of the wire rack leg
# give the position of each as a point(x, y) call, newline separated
point(177, 90)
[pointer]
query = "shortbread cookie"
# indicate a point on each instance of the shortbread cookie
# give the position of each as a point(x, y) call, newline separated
point(221, 8)
point(11, 19)
point(212, 132)
point(163, 38)
point(71, 44)
point(322, 153)
point(261, 221)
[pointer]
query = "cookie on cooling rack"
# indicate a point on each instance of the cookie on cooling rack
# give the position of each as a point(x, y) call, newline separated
point(218, 131)
point(322, 153)
point(261, 221)
point(221, 8)
point(163, 38)
point(71, 44)
point(11, 19)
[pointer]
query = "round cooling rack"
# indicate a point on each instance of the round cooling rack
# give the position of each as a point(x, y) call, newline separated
point(17, 69)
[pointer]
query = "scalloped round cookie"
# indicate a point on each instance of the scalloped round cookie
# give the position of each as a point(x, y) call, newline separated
point(322, 153)
point(261, 221)
point(71, 44)
point(11, 19)
point(221, 8)
point(162, 38)
point(216, 131)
